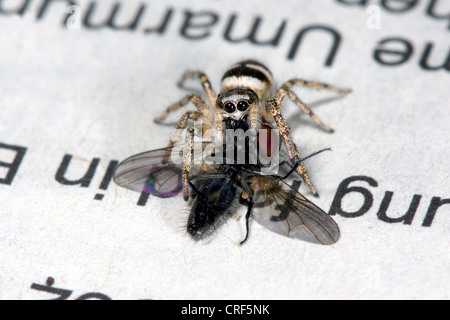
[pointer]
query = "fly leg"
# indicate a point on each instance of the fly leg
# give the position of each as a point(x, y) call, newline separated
point(247, 195)
point(182, 124)
point(247, 218)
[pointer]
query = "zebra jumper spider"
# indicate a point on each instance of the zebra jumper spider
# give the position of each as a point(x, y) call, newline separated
point(245, 91)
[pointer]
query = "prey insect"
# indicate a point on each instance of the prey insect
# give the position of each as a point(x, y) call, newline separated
point(245, 95)
point(217, 193)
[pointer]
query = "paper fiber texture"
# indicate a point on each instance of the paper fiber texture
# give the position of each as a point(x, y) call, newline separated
point(82, 81)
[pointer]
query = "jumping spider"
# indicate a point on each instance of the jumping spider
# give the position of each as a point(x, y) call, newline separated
point(245, 92)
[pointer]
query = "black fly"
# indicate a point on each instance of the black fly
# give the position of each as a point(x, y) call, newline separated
point(244, 104)
point(218, 191)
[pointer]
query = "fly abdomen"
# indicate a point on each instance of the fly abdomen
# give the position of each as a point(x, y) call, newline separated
point(249, 74)
point(214, 203)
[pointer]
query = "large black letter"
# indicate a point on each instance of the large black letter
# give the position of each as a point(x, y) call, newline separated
point(336, 41)
point(403, 56)
point(432, 12)
point(406, 218)
point(343, 190)
point(252, 35)
point(398, 5)
point(20, 10)
point(107, 178)
point(110, 22)
point(163, 25)
point(85, 181)
point(14, 165)
point(424, 61)
point(435, 203)
point(188, 24)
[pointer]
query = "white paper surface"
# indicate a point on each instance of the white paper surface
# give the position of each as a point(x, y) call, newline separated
point(71, 90)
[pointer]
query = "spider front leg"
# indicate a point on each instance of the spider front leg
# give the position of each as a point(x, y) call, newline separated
point(198, 102)
point(286, 89)
point(182, 124)
point(219, 127)
point(273, 110)
point(254, 117)
point(206, 84)
point(188, 158)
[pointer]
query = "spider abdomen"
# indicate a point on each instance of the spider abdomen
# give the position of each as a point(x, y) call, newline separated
point(249, 74)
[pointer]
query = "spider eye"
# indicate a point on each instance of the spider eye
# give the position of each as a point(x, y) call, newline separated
point(229, 107)
point(242, 105)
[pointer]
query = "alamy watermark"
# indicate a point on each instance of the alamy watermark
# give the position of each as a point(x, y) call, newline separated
point(73, 21)
point(374, 17)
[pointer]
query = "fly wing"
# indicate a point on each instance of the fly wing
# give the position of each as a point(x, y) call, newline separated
point(283, 210)
point(151, 172)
